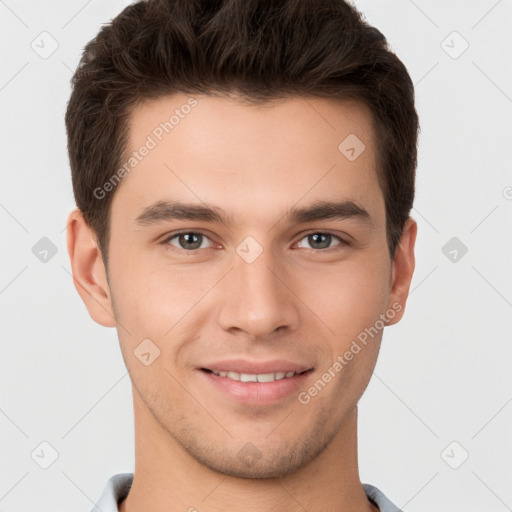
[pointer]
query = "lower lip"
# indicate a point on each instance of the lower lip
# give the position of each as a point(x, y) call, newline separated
point(257, 393)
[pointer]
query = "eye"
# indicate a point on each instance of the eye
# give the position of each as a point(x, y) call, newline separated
point(193, 241)
point(187, 240)
point(319, 240)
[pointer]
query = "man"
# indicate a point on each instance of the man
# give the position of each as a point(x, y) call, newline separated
point(244, 173)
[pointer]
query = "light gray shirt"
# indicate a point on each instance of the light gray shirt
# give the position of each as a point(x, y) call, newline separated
point(118, 486)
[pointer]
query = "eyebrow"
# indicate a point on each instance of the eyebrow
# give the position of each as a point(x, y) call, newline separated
point(162, 211)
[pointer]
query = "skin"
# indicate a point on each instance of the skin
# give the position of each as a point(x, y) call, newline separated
point(297, 301)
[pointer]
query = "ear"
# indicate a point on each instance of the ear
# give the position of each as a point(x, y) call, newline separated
point(402, 271)
point(89, 275)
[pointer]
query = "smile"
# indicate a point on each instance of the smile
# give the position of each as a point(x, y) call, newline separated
point(252, 377)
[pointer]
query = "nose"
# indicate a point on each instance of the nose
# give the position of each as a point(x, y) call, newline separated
point(257, 297)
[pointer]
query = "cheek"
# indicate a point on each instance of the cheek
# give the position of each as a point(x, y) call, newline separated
point(153, 299)
point(349, 298)
point(153, 303)
point(349, 301)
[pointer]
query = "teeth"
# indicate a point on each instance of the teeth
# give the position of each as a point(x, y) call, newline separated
point(251, 377)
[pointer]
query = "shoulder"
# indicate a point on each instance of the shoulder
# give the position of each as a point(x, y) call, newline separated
point(379, 498)
point(115, 490)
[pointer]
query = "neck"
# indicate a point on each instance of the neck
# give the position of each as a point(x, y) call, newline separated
point(169, 479)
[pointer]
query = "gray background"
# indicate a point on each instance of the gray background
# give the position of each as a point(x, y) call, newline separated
point(441, 390)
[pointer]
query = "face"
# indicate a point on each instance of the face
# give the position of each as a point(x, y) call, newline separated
point(248, 242)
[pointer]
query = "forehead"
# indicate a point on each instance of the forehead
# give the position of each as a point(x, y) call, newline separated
point(223, 151)
point(205, 122)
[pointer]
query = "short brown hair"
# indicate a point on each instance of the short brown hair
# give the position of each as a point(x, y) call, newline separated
point(260, 50)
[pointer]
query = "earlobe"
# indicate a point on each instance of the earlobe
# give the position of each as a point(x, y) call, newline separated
point(402, 271)
point(89, 276)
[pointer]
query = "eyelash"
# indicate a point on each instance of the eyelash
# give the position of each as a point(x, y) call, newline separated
point(342, 242)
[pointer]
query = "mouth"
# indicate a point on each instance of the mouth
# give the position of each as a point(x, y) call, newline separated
point(255, 389)
point(255, 377)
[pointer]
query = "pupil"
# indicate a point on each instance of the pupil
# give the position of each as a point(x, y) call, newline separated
point(194, 240)
point(186, 239)
point(316, 236)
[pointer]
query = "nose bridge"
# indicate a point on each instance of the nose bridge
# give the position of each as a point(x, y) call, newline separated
point(257, 300)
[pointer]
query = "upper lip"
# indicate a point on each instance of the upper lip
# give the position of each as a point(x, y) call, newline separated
point(256, 367)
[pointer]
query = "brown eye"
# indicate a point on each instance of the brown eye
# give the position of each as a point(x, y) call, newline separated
point(320, 241)
point(188, 241)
